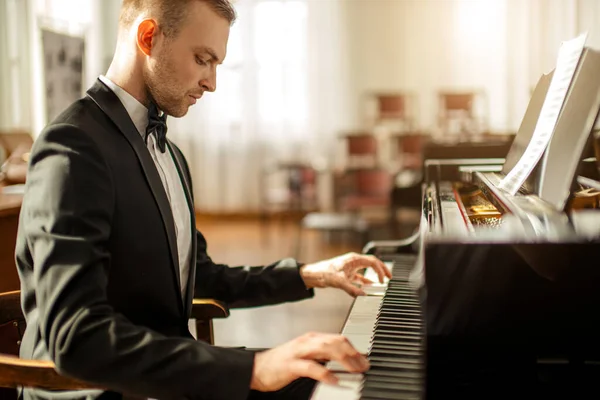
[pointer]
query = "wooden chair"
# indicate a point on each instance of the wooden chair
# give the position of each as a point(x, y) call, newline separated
point(361, 148)
point(362, 203)
point(394, 109)
point(462, 112)
point(409, 151)
point(364, 188)
point(288, 192)
point(15, 372)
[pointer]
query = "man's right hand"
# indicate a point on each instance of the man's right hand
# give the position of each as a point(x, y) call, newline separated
point(277, 367)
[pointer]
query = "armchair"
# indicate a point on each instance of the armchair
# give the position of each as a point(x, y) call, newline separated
point(15, 372)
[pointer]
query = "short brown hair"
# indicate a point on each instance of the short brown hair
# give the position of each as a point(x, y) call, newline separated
point(170, 13)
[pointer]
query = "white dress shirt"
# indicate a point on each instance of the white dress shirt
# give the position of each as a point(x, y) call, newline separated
point(168, 175)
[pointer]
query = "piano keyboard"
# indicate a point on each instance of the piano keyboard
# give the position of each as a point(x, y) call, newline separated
point(387, 325)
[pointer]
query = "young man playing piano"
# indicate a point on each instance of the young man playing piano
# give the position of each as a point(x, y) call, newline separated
point(108, 253)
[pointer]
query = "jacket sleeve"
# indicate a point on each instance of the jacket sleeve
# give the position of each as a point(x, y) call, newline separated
point(247, 286)
point(66, 217)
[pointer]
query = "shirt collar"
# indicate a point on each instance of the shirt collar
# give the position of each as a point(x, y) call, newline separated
point(136, 110)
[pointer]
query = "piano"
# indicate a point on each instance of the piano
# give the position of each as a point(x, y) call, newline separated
point(497, 294)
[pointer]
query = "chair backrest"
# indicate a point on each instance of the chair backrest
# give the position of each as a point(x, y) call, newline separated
point(14, 371)
point(361, 144)
point(457, 102)
point(12, 323)
point(361, 149)
point(395, 111)
point(364, 188)
point(373, 182)
point(365, 182)
point(410, 151)
point(288, 187)
point(462, 111)
point(391, 105)
point(12, 327)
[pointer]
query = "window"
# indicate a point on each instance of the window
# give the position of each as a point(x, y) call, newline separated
point(263, 80)
point(15, 110)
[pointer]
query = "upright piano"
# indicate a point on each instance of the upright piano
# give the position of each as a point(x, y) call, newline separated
point(498, 294)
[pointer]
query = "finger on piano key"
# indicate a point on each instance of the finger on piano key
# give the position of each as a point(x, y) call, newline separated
point(338, 368)
point(374, 290)
point(372, 275)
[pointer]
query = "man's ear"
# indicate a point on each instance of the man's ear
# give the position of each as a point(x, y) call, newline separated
point(145, 33)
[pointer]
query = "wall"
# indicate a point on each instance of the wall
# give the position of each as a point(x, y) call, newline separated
point(502, 46)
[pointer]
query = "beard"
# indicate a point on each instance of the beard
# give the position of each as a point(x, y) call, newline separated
point(162, 89)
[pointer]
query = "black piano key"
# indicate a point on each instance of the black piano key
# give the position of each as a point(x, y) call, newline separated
point(395, 337)
point(415, 323)
point(401, 374)
point(382, 344)
point(392, 330)
point(409, 302)
point(411, 321)
point(399, 327)
point(383, 394)
point(400, 352)
point(388, 314)
point(396, 360)
point(395, 366)
point(385, 313)
point(378, 348)
point(409, 380)
point(396, 387)
point(407, 312)
point(400, 296)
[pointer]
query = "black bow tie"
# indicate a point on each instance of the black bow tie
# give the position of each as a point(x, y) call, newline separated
point(157, 126)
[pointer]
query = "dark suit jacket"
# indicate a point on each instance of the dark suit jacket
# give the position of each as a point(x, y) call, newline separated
point(97, 257)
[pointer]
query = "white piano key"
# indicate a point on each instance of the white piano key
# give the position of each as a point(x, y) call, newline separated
point(360, 342)
point(361, 322)
point(374, 290)
point(348, 388)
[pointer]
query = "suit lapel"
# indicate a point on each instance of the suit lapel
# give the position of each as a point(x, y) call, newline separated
point(179, 163)
point(111, 105)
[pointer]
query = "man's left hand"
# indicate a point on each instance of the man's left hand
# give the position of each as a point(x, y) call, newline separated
point(343, 272)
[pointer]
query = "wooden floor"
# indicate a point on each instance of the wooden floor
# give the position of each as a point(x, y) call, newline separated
point(248, 242)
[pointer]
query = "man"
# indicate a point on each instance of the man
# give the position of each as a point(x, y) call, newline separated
point(108, 254)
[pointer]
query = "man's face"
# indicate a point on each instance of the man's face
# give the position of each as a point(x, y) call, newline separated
point(182, 67)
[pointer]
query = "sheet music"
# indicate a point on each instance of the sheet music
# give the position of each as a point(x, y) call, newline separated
point(568, 58)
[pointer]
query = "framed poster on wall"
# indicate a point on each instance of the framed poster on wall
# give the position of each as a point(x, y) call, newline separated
point(63, 57)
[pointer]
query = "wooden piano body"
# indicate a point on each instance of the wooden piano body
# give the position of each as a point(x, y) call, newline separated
point(494, 320)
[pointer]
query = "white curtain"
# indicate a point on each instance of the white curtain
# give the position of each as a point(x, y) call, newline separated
point(14, 66)
point(279, 98)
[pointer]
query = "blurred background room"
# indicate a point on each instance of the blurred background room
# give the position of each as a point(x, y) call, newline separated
point(313, 143)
